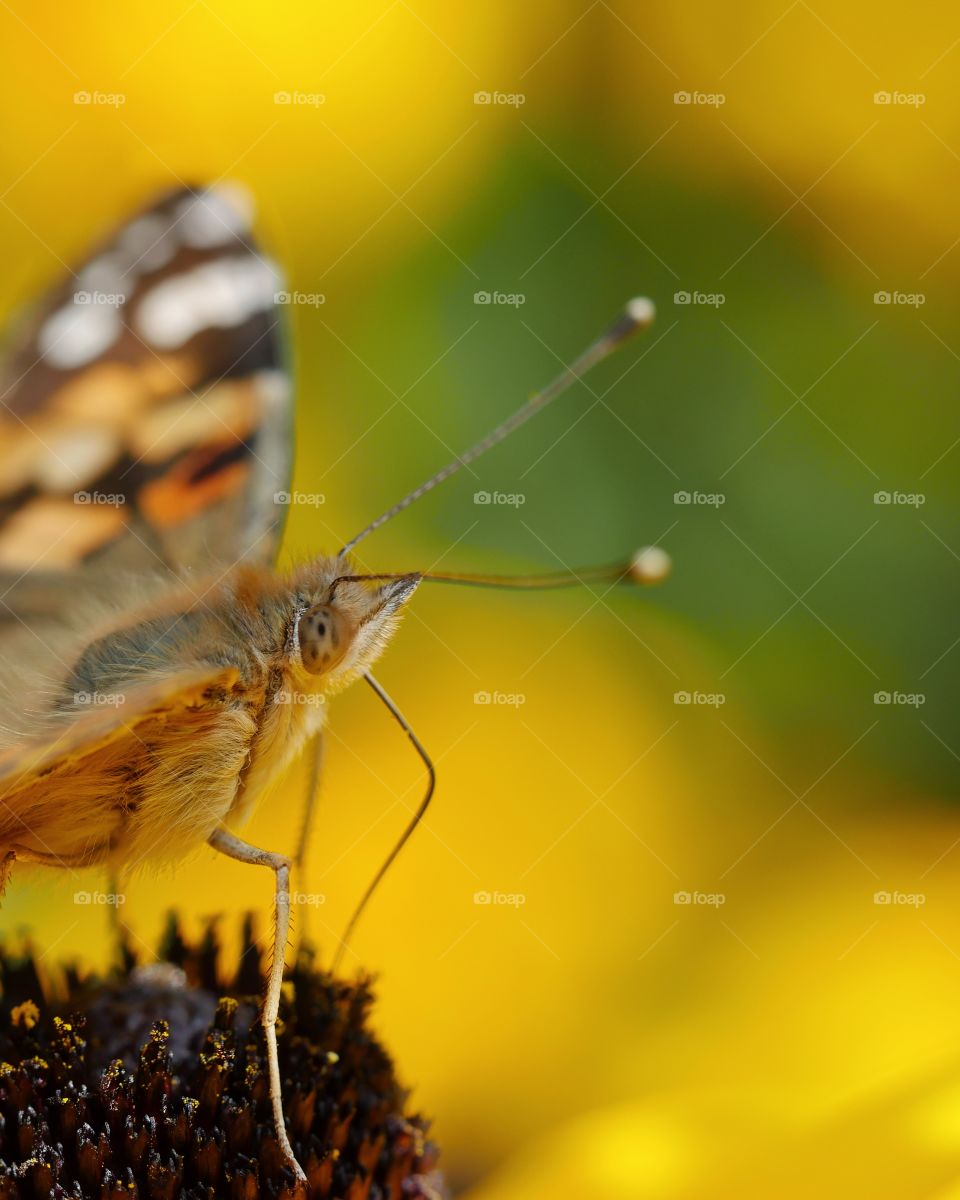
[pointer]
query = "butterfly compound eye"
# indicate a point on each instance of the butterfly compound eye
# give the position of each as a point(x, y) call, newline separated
point(321, 638)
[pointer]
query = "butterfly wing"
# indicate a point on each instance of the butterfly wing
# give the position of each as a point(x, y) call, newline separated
point(125, 778)
point(145, 416)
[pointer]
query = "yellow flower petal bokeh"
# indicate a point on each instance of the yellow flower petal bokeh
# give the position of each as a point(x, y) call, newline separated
point(591, 1032)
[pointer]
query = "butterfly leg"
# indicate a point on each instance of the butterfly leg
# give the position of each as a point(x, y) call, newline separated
point(242, 851)
point(118, 926)
point(315, 751)
point(17, 854)
point(70, 861)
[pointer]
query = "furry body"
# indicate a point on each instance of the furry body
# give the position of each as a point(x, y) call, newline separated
point(176, 716)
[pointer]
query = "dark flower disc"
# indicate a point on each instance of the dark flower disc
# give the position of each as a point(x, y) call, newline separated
point(152, 1085)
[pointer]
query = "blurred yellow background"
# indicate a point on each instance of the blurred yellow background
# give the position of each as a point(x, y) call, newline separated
point(791, 170)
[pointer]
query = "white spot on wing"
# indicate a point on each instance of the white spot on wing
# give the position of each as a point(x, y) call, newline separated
point(101, 274)
point(149, 243)
point(214, 217)
point(75, 335)
point(218, 294)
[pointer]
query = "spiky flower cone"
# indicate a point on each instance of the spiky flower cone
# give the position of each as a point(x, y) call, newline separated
point(153, 1086)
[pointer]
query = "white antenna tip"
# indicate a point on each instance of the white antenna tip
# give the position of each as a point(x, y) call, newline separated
point(641, 310)
point(650, 565)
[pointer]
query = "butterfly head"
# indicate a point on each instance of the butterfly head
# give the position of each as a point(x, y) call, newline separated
point(347, 624)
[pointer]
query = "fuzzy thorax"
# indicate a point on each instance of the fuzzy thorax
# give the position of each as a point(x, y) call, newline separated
point(152, 777)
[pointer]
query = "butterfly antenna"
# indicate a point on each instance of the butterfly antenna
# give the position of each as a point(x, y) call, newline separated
point(637, 314)
point(411, 825)
point(648, 566)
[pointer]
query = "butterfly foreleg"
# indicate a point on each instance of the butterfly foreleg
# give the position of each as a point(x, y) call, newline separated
point(280, 864)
